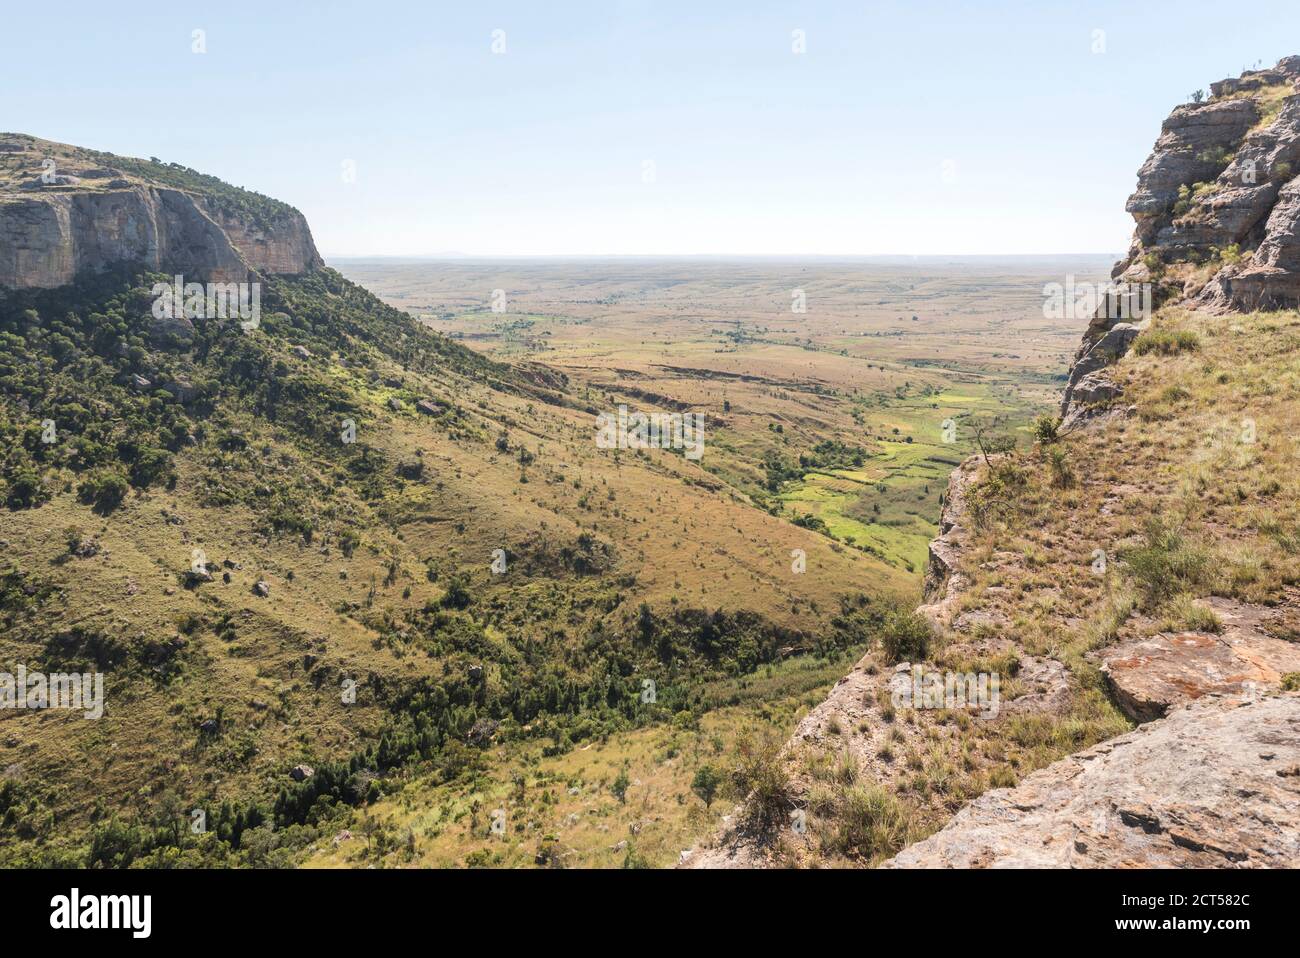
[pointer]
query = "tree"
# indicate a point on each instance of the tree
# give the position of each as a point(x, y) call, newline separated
point(24, 490)
point(705, 784)
point(990, 443)
point(620, 785)
point(457, 595)
point(106, 488)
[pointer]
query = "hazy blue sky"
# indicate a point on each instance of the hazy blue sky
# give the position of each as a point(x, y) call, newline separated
point(906, 127)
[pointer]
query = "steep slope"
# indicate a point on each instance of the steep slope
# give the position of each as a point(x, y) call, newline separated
point(1142, 556)
point(65, 211)
point(279, 543)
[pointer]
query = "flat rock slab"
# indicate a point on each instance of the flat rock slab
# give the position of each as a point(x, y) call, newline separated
point(1216, 784)
point(1148, 676)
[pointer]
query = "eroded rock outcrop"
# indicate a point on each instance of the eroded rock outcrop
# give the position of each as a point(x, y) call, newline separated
point(1148, 676)
point(1217, 214)
point(1214, 785)
point(63, 213)
point(942, 579)
point(1208, 192)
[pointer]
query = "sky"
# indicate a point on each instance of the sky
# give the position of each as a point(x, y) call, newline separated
point(635, 127)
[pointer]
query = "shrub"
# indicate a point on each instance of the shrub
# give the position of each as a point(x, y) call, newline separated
point(1167, 563)
point(905, 637)
point(761, 778)
point(457, 595)
point(105, 488)
point(1045, 429)
point(24, 490)
point(997, 495)
point(1062, 472)
point(1166, 342)
point(705, 784)
point(815, 523)
point(621, 784)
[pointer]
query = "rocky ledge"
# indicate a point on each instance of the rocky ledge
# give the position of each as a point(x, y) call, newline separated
point(1214, 785)
point(1245, 658)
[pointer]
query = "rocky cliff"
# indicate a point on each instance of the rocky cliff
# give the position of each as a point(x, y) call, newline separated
point(1208, 779)
point(65, 211)
point(1217, 211)
point(1131, 577)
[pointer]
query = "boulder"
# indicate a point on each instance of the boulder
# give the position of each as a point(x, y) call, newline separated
point(172, 332)
point(1213, 785)
point(481, 732)
point(1102, 346)
point(1149, 676)
point(1096, 388)
point(300, 773)
point(182, 389)
point(195, 577)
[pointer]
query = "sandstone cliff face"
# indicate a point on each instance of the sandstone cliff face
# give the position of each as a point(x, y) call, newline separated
point(283, 247)
point(1219, 173)
point(1217, 211)
point(61, 216)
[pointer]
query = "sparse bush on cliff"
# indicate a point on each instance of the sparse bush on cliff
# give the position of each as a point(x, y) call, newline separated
point(760, 775)
point(905, 637)
point(995, 497)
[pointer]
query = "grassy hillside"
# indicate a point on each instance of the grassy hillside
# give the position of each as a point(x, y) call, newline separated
point(1175, 510)
point(262, 592)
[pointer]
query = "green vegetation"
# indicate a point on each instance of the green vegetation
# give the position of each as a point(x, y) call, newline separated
point(240, 426)
point(905, 637)
point(1165, 342)
point(1168, 562)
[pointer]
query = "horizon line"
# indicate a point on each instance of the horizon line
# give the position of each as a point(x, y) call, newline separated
point(442, 257)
